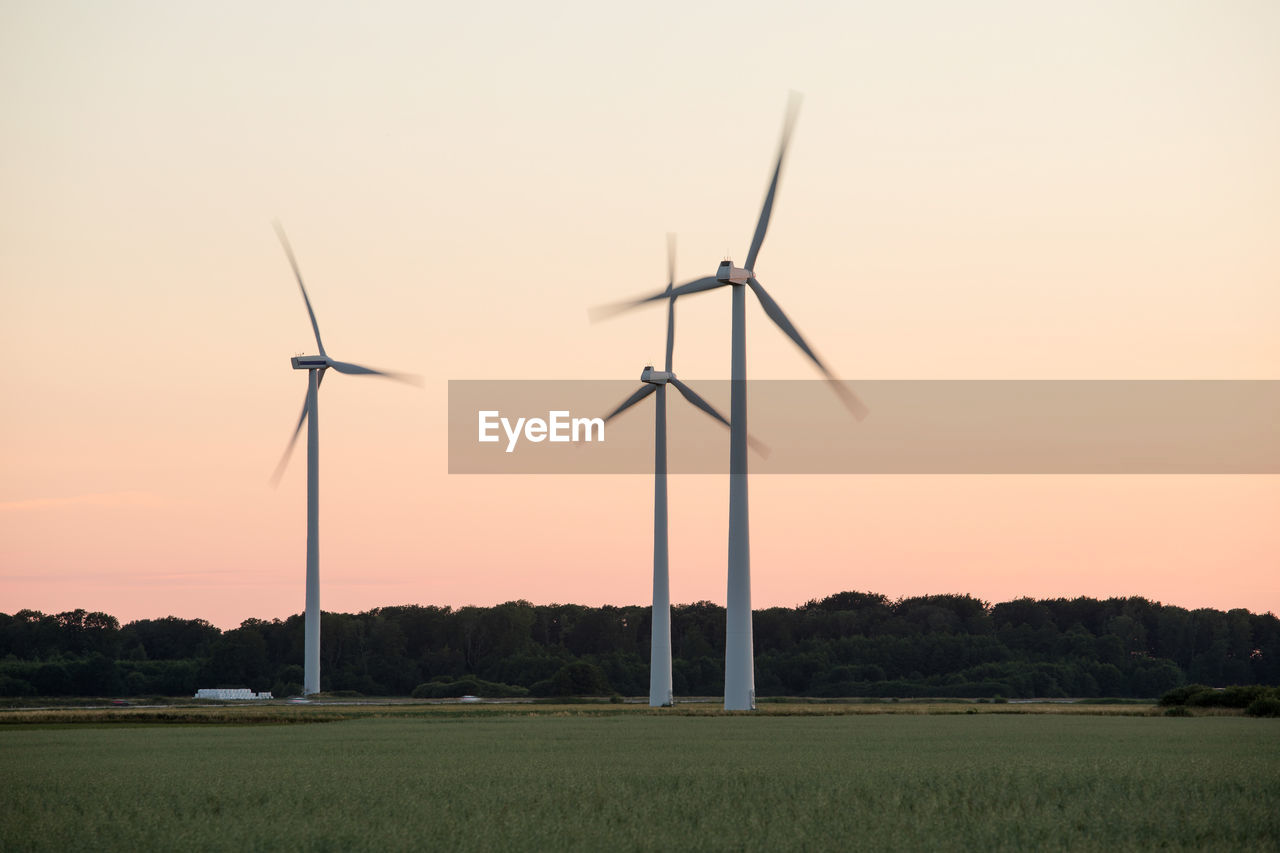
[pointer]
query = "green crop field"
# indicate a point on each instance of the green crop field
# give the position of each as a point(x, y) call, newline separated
point(597, 780)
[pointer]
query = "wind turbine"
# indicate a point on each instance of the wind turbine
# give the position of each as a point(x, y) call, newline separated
point(739, 665)
point(315, 365)
point(656, 381)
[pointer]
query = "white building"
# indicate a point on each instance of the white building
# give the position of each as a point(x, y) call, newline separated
point(230, 693)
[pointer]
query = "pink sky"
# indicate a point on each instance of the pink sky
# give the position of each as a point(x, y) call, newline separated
point(1001, 191)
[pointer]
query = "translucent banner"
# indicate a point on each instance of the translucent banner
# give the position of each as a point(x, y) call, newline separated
point(914, 427)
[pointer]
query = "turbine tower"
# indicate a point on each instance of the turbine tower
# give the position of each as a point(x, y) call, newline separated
point(660, 688)
point(315, 365)
point(739, 666)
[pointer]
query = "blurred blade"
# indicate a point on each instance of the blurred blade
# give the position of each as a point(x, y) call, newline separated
point(288, 451)
point(793, 106)
point(698, 284)
point(758, 446)
point(671, 260)
point(671, 302)
point(692, 396)
point(671, 331)
point(284, 241)
point(850, 400)
point(348, 367)
point(644, 391)
point(777, 316)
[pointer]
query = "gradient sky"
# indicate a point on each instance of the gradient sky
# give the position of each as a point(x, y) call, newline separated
point(982, 190)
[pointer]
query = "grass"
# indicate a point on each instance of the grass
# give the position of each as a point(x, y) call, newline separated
point(186, 712)
point(600, 778)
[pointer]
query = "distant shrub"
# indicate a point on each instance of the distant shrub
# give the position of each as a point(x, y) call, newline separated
point(1180, 695)
point(467, 686)
point(577, 678)
point(10, 686)
point(1238, 696)
point(1177, 711)
point(429, 690)
point(1264, 706)
point(1231, 697)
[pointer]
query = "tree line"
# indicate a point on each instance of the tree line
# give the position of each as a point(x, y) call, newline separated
point(852, 644)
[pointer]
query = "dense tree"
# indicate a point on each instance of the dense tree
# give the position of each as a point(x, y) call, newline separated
point(171, 638)
point(848, 644)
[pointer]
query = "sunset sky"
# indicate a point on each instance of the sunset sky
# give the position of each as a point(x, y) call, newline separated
point(989, 190)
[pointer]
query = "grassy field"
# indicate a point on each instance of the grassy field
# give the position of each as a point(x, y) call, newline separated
point(247, 713)
point(609, 778)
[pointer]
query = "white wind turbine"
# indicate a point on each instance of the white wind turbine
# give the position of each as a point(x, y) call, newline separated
point(739, 666)
point(656, 381)
point(315, 365)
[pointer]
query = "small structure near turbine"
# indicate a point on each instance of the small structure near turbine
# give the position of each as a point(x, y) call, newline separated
point(225, 693)
point(315, 365)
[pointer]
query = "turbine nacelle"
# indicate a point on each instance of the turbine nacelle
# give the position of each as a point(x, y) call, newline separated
point(656, 377)
point(730, 274)
point(310, 362)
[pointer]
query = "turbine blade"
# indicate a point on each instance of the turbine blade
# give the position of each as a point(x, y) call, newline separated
point(293, 439)
point(762, 226)
point(692, 396)
point(355, 369)
point(850, 400)
point(671, 331)
point(293, 262)
point(645, 391)
point(671, 302)
point(671, 259)
point(758, 446)
point(698, 284)
point(778, 317)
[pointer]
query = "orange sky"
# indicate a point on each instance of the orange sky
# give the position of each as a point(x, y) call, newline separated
point(998, 191)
